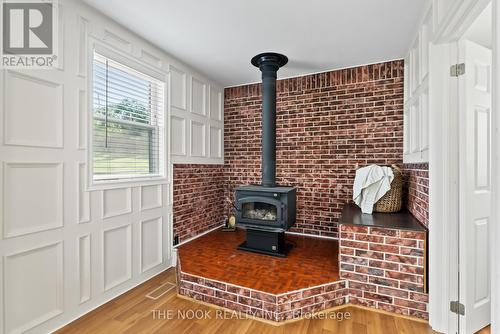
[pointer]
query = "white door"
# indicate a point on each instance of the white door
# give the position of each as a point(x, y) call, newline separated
point(475, 185)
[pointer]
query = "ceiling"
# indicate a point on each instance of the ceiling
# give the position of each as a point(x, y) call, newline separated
point(219, 37)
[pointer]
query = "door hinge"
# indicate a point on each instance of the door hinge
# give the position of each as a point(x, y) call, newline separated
point(457, 307)
point(457, 70)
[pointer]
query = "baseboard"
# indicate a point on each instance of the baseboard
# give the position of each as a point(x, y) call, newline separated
point(221, 225)
point(407, 317)
point(312, 235)
point(106, 300)
point(197, 236)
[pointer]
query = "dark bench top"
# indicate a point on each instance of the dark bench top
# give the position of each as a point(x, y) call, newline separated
point(403, 220)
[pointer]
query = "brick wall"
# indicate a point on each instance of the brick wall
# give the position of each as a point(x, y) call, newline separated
point(198, 204)
point(328, 124)
point(385, 268)
point(417, 184)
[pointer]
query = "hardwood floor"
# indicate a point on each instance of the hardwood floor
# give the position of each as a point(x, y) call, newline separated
point(133, 313)
point(312, 261)
point(485, 330)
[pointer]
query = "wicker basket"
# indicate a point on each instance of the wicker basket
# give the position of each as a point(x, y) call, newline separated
point(392, 200)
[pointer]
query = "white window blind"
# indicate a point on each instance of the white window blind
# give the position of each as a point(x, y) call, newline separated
point(128, 122)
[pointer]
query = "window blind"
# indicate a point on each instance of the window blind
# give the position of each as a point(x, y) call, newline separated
point(128, 125)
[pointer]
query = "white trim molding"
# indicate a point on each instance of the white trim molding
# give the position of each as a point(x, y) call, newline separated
point(443, 185)
point(495, 226)
point(197, 236)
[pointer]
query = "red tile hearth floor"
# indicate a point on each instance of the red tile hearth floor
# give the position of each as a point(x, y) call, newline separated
point(311, 262)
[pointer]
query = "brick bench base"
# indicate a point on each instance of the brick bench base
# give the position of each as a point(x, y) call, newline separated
point(385, 268)
point(280, 307)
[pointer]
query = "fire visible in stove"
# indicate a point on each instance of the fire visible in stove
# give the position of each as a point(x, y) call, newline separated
point(261, 211)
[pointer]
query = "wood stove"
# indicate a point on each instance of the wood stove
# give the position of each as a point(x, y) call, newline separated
point(266, 211)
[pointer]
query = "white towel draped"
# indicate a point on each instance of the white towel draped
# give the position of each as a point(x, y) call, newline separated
point(370, 184)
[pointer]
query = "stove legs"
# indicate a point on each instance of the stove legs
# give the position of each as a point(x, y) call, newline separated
point(265, 242)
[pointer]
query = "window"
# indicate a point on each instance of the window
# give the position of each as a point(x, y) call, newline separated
point(128, 122)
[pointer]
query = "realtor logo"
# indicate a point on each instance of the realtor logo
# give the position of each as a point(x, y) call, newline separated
point(29, 33)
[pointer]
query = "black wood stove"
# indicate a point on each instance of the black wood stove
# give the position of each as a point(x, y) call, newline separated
point(266, 211)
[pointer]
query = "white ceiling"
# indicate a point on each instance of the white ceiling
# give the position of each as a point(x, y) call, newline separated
point(219, 37)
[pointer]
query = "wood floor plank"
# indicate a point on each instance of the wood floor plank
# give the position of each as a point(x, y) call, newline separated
point(132, 313)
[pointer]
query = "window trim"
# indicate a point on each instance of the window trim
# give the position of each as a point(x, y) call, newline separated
point(140, 66)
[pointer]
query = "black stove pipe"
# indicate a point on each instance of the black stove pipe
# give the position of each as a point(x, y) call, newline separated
point(269, 63)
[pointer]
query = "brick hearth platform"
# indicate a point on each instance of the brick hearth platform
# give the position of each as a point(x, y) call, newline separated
point(380, 267)
point(212, 270)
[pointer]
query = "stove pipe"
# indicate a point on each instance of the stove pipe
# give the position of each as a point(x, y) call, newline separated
point(269, 63)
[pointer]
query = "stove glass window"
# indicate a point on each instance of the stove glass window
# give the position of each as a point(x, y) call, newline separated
point(259, 210)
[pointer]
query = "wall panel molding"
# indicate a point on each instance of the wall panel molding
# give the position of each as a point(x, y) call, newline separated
point(151, 243)
point(216, 104)
point(192, 137)
point(178, 135)
point(32, 197)
point(178, 88)
point(117, 256)
point(151, 59)
point(198, 97)
point(198, 139)
point(38, 297)
point(83, 195)
point(35, 121)
point(215, 142)
point(82, 27)
point(151, 197)
point(116, 202)
point(82, 119)
point(118, 41)
point(416, 91)
point(85, 267)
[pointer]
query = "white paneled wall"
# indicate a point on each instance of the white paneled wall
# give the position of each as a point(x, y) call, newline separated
point(416, 106)
point(440, 24)
point(65, 250)
point(197, 119)
point(46, 128)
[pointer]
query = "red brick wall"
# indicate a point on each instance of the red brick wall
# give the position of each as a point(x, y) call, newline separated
point(198, 204)
point(328, 124)
point(417, 184)
point(385, 268)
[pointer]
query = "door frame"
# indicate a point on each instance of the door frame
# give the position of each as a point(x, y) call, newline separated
point(443, 189)
point(444, 169)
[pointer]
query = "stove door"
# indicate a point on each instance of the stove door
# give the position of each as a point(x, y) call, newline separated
point(258, 210)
